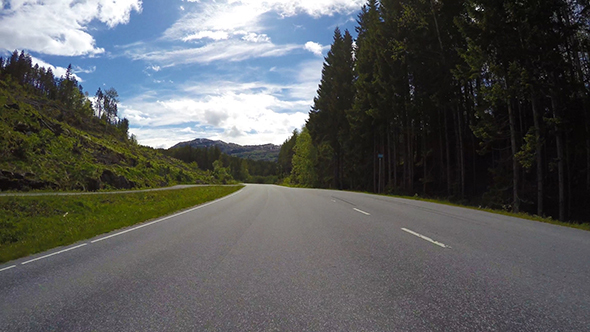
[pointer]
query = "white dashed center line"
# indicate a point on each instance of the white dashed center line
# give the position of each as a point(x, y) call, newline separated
point(425, 238)
point(361, 211)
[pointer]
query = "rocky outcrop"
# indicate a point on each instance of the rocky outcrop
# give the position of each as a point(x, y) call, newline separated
point(116, 181)
point(22, 182)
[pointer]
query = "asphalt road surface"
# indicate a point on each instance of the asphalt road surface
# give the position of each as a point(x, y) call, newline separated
point(269, 258)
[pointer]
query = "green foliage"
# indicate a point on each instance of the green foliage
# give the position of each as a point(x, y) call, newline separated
point(304, 161)
point(37, 151)
point(286, 154)
point(221, 172)
point(37, 223)
point(526, 155)
point(235, 167)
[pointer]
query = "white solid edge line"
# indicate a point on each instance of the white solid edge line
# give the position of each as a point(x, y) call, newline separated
point(425, 238)
point(361, 211)
point(55, 253)
point(165, 218)
point(7, 268)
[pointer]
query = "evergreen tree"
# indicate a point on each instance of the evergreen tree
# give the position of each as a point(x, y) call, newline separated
point(366, 124)
point(327, 120)
point(286, 153)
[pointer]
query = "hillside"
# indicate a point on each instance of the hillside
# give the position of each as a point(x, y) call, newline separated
point(45, 145)
point(266, 152)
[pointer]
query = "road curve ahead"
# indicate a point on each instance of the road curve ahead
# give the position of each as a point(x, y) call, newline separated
point(270, 258)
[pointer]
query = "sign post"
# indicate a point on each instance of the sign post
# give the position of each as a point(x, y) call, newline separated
point(380, 156)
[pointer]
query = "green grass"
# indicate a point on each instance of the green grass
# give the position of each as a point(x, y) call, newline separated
point(32, 224)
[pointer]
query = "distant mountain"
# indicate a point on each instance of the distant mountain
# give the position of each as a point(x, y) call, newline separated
point(267, 152)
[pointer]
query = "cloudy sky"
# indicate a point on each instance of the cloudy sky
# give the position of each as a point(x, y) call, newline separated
point(243, 71)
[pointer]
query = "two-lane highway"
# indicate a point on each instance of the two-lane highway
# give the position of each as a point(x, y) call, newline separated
point(270, 258)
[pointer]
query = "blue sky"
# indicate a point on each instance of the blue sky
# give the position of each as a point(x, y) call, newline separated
point(243, 71)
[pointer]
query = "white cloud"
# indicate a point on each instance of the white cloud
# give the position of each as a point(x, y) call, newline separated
point(314, 48)
point(228, 50)
point(215, 35)
point(216, 18)
point(232, 30)
point(256, 38)
point(253, 112)
point(60, 27)
point(308, 76)
point(187, 130)
point(225, 115)
point(234, 17)
point(165, 138)
point(89, 70)
point(57, 71)
point(314, 8)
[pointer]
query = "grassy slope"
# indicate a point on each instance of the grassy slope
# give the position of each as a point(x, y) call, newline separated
point(32, 224)
point(56, 155)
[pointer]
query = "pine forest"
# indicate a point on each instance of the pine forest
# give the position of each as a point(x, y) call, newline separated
point(482, 102)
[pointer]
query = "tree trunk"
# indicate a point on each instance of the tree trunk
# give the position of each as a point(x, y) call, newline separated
point(388, 155)
point(381, 166)
point(568, 163)
point(448, 155)
point(411, 157)
point(587, 152)
point(406, 160)
point(587, 127)
point(336, 170)
point(443, 167)
point(461, 154)
point(373, 157)
point(424, 158)
point(394, 158)
point(514, 150)
point(538, 152)
point(560, 157)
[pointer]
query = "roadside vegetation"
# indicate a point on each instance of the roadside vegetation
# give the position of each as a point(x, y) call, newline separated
point(225, 167)
point(506, 212)
point(32, 224)
point(53, 137)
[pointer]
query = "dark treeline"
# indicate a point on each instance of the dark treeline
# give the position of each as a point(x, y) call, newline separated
point(481, 101)
point(225, 166)
point(72, 103)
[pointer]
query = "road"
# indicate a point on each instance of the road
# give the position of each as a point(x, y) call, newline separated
point(270, 258)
